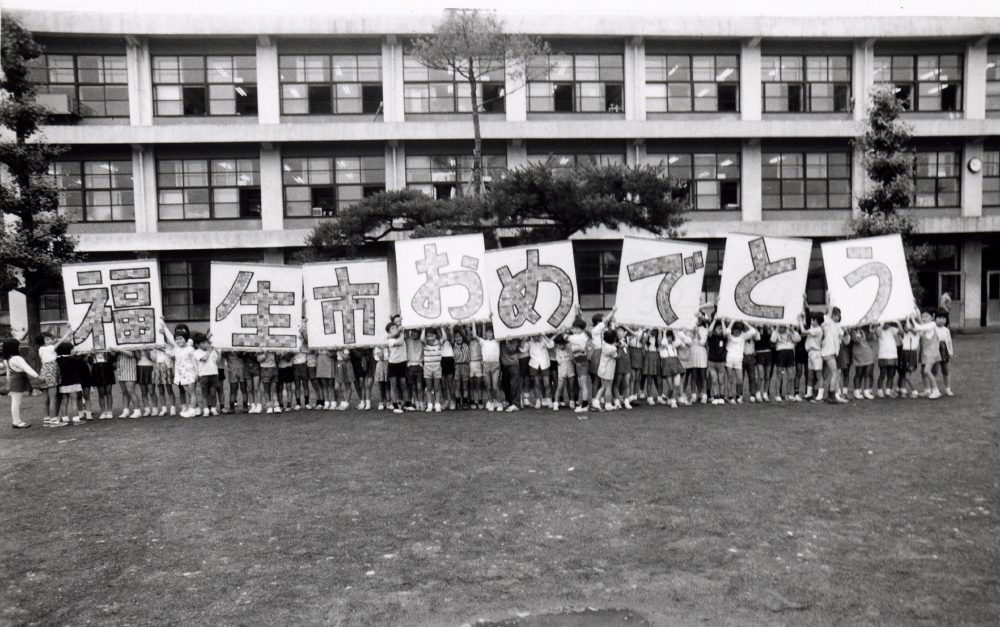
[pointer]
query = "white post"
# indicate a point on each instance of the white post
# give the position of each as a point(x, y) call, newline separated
point(272, 210)
point(268, 85)
point(750, 171)
point(750, 89)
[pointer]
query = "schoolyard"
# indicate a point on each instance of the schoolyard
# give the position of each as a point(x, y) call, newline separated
point(879, 511)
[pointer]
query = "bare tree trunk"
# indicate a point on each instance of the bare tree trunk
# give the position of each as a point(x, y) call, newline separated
point(477, 145)
point(33, 304)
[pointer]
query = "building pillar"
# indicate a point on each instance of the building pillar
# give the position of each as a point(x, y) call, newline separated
point(145, 199)
point(515, 98)
point(972, 182)
point(750, 90)
point(395, 165)
point(635, 79)
point(862, 75)
point(974, 80)
point(859, 179)
point(274, 256)
point(272, 209)
point(139, 70)
point(392, 79)
point(635, 153)
point(750, 171)
point(268, 85)
point(517, 154)
point(972, 281)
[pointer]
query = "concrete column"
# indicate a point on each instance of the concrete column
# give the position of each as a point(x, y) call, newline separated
point(972, 281)
point(272, 211)
point(392, 79)
point(268, 86)
point(750, 171)
point(515, 97)
point(273, 255)
point(862, 75)
point(635, 153)
point(139, 69)
point(859, 179)
point(974, 80)
point(395, 165)
point(517, 154)
point(635, 79)
point(750, 89)
point(144, 189)
point(972, 183)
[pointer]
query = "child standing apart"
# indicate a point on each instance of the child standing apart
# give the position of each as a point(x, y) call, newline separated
point(207, 359)
point(185, 369)
point(19, 375)
point(946, 348)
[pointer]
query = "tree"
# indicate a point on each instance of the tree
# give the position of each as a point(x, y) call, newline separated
point(34, 242)
point(471, 44)
point(890, 163)
point(531, 204)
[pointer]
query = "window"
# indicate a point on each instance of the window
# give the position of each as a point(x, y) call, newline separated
point(94, 191)
point(566, 161)
point(212, 85)
point(938, 178)
point(681, 83)
point(712, 179)
point(447, 176)
point(576, 83)
point(321, 186)
point(208, 189)
point(52, 305)
point(816, 276)
point(810, 180)
point(597, 277)
point(98, 83)
point(427, 90)
point(991, 178)
point(940, 269)
point(926, 82)
point(806, 83)
point(330, 84)
point(993, 81)
point(713, 271)
point(186, 289)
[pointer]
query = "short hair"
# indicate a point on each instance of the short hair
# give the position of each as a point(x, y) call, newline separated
point(64, 348)
point(560, 340)
point(182, 330)
point(597, 318)
point(40, 340)
point(941, 313)
point(579, 324)
point(199, 338)
point(835, 311)
point(610, 336)
point(389, 326)
point(11, 348)
point(431, 331)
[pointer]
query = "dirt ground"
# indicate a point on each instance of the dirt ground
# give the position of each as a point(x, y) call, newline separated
point(879, 511)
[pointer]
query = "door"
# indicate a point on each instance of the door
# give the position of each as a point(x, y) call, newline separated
point(951, 282)
point(993, 298)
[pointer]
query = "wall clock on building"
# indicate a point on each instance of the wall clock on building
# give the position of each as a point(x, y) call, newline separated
point(975, 165)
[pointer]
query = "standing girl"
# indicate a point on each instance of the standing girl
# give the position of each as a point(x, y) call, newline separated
point(670, 368)
point(48, 375)
point(606, 370)
point(18, 383)
point(125, 372)
point(70, 380)
point(102, 376)
point(163, 380)
point(651, 365)
point(863, 358)
point(185, 370)
point(887, 359)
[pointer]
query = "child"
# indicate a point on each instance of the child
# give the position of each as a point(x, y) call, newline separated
point(207, 359)
point(909, 361)
point(476, 383)
point(737, 335)
point(48, 375)
point(946, 348)
point(490, 350)
point(801, 355)
point(447, 369)
point(606, 371)
point(764, 356)
point(599, 323)
point(415, 369)
point(579, 346)
point(566, 371)
point(343, 378)
point(269, 394)
point(887, 359)
point(236, 375)
point(125, 372)
point(716, 344)
point(670, 368)
point(432, 372)
point(251, 372)
point(683, 343)
point(930, 353)
point(381, 356)
point(317, 390)
point(70, 377)
point(833, 356)
point(163, 379)
point(300, 375)
point(102, 376)
point(325, 367)
point(510, 361)
point(286, 381)
point(185, 369)
point(362, 367)
point(538, 368)
point(19, 375)
point(623, 371)
point(463, 357)
point(699, 361)
point(636, 356)
point(750, 366)
point(397, 366)
point(651, 365)
point(814, 350)
point(144, 381)
point(863, 356)
point(784, 339)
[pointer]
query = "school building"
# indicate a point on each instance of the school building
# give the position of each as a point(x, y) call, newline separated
point(223, 137)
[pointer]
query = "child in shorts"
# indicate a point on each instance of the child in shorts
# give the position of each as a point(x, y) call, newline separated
point(432, 372)
point(326, 364)
point(48, 375)
point(490, 351)
point(236, 375)
point(538, 368)
point(286, 381)
point(580, 346)
point(268, 381)
point(888, 357)
point(930, 353)
point(362, 367)
point(397, 367)
point(463, 357)
point(946, 348)
point(317, 390)
point(813, 345)
point(566, 371)
point(207, 359)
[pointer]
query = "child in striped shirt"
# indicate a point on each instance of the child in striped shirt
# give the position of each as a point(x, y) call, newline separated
point(432, 368)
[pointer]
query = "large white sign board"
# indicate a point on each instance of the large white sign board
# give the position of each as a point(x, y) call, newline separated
point(659, 282)
point(763, 278)
point(441, 280)
point(255, 306)
point(532, 289)
point(868, 279)
point(347, 303)
point(113, 304)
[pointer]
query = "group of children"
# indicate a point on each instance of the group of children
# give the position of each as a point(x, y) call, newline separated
point(604, 368)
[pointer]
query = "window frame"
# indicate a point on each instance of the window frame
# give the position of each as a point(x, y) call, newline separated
point(993, 81)
point(205, 85)
point(691, 82)
point(914, 83)
point(938, 192)
point(457, 182)
point(456, 82)
point(210, 187)
point(805, 179)
point(41, 63)
point(662, 160)
point(327, 79)
point(804, 83)
point(607, 277)
point(189, 289)
point(534, 83)
point(367, 187)
point(991, 178)
point(55, 178)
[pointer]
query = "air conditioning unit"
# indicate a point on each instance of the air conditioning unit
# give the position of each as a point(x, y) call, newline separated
point(59, 104)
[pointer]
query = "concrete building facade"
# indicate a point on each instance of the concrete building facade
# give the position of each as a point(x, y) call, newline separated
point(196, 138)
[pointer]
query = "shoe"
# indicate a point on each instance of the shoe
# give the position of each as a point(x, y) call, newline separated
point(270, 410)
point(580, 410)
point(78, 420)
point(753, 399)
point(88, 415)
point(214, 411)
point(343, 405)
point(381, 406)
point(298, 407)
point(368, 404)
point(277, 410)
point(136, 414)
point(572, 404)
point(673, 403)
point(766, 399)
point(628, 404)
point(868, 394)
point(489, 405)
point(934, 395)
point(555, 406)
point(406, 408)
point(20, 425)
point(125, 413)
point(684, 400)
point(146, 412)
point(429, 409)
point(55, 422)
point(704, 399)
point(948, 392)
point(650, 400)
point(739, 399)
point(760, 397)
point(360, 405)
point(538, 403)
point(226, 410)
point(880, 393)
point(618, 404)
point(397, 410)
point(777, 399)
point(841, 399)
point(798, 398)
point(173, 410)
point(594, 404)
point(437, 407)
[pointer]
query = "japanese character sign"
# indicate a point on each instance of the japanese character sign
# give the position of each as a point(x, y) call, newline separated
point(763, 278)
point(255, 306)
point(113, 304)
point(868, 279)
point(532, 289)
point(347, 303)
point(441, 280)
point(660, 282)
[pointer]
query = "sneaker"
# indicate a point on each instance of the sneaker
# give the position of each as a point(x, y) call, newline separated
point(214, 411)
point(270, 410)
point(343, 406)
point(381, 406)
point(513, 407)
point(368, 404)
point(277, 410)
point(753, 399)
point(760, 397)
point(777, 399)
point(618, 404)
point(204, 413)
point(628, 404)
point(766, 399)
point(146, 412)
point(88, 415)
point(595, 404)
point(136, 414)
point(581, 409)
point(429, 409)
point(489, 405)
point(360, 405)
point(572, 404)
point(868, 394)
point(125, 413)
point(739, 399)
point(934, 395)
point(437, 407)
point(56, 422)
point(841, 399)
point(914, 394)
point(173, 410)
point(538, 403)
point(79, 420)
point(309, 406)
point(673, 403)
point(880, 393)
point(555, 406)
point(227, 410)
point(704, 399)
point(948, 392)
point(407, 408)
point(650, 400)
